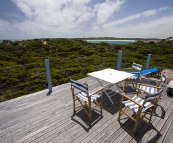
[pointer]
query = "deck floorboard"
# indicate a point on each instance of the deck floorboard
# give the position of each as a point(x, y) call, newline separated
point(40, 117)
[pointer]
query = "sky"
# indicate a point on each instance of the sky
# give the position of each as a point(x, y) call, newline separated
point(29, 19)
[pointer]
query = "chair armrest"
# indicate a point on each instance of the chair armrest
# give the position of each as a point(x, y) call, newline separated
point(138, 84)
point(126, 68)
point(132, 100)
point(98, 90)
point(135, 72)
point(148, 85)
point(152, 79)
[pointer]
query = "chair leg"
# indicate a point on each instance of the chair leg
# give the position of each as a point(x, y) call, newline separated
point(74, 98)
point(101, 106)
point(119, 114)
point(120, 109)
point(74, 106)
point(90, 110)
point(133, 84)
point(122, 85)
point(126, 83)
point(137, 121)
point(151, 115)
point(134, 129)
point(138, 92)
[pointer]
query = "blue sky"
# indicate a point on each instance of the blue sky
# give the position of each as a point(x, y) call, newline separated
point(28, 19)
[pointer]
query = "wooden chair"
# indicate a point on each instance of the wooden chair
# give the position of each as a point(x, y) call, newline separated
point(140, 107)
point(81, 94)
point(133, 79)
point(150, 89)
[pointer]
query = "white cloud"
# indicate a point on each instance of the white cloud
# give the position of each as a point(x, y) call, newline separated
point(144, 14)
point(163, 8)
point(65, 16)
point(155, 28)
point(95, 27)
point(149, 13)
point(13, 15)
point(59, 16)
point(106, 9)
point(5, 26)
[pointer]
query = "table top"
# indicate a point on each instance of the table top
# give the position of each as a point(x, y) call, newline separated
point(111, 75)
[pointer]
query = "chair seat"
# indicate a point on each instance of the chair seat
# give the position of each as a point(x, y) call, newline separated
point(134, 106)
point(149, 89)
point(83, 96)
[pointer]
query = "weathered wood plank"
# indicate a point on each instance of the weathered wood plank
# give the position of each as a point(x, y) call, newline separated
point(166, 129)
point(103, 121)
point(158, 123)
point(109, 131)
point(39, 117)
point(37, 124)
point(168, 137)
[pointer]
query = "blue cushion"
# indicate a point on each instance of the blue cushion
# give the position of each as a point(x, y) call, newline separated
point(148, 71)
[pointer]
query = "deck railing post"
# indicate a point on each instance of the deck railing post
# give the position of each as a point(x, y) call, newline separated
point(119, 59)
point(48, 75)
point(148, 61)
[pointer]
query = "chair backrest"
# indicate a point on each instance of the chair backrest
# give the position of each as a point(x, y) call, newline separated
point(163, 79)
point(153, 96)
point(137, 66)
point(79, 86)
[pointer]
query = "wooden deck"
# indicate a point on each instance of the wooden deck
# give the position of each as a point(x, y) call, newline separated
point(39, 117)
point(169, 73)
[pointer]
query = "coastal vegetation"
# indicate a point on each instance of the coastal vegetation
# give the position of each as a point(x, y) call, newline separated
point(23, 69)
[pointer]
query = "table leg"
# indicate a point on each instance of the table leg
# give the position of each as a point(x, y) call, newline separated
point(108, 88)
